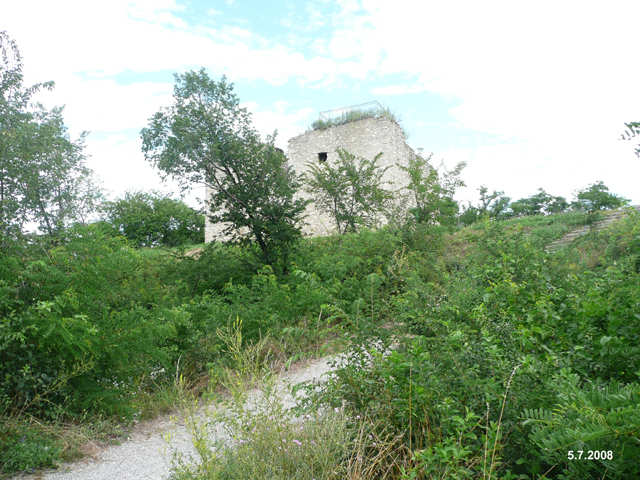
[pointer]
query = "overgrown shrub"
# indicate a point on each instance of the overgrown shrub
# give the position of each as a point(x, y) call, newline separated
point(591, 429)
point(215, 265)
point(152, 219)
point(478, 391)
point(351, 191)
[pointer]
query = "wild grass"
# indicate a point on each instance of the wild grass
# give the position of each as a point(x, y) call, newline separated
point(354, 116)
point(257, 424)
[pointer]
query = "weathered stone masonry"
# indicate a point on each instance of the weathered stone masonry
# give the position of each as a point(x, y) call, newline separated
point(365, 138)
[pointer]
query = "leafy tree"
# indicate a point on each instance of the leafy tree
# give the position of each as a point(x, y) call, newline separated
point(350, 191)
point(433, 191)
point(14, 100)
point(43, 177)
point(152, 219)
point(204, 136)
point(469, 215)
point(632, 131)
point(58, 188)
point(492, 205)
point(596, 197)
point(540, 203)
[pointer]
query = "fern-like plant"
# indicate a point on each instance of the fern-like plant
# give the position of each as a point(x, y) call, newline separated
point(589, 419)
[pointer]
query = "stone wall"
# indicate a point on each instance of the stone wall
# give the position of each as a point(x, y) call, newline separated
point(365, 138)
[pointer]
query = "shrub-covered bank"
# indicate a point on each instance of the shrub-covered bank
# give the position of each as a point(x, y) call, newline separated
point(95, 329)
point(519, 356)
point(524, 364)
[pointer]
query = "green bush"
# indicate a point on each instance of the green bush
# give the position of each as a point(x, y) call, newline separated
point(152, 219)
point(586, 422)
point(215, 265)
point(89, 317)
point(495, 322)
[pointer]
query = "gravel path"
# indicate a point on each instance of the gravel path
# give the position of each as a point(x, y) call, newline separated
point(147, 454)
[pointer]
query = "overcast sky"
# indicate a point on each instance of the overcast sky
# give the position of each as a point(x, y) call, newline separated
point(529, 94)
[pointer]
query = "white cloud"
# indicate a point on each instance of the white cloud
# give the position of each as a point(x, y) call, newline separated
point(103, 105)
point(282, 118)
point(400, 89)
point(119, 165)
point(119, 36)
point(557, 77)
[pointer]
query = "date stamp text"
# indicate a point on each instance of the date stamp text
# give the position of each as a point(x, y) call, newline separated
point(590, 455)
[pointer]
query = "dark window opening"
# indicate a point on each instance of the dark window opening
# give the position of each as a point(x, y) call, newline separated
point(322, 156)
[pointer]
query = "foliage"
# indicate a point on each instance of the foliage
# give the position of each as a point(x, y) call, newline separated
point(596, 197)
point(432, 191)
point(43, 176)
point(543, 229)
point(213, 266)
point(476, 393)
point(492, 205)
point(25, 447)
point(351, 191)
point(93, 325)
point(591, 200)
point(94, 328)
point(353, 116)
point(69, 351)
point(632, 131)
point(258, 425)
point(539, 203)
point(310, 449)
point(206, 137)
point(591, 429)
point(152, 219)
point(14, 100)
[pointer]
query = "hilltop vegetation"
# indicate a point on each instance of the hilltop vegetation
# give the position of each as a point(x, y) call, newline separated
point(516, 360)
point(480, 301)
point(354, 116)
point(506, 362)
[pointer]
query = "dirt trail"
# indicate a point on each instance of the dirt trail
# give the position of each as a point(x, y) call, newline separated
point(147, 455)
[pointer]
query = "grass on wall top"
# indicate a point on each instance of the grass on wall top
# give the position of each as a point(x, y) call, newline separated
point(353, 116)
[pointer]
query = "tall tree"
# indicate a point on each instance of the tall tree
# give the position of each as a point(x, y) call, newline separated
point(14, 100)
point(43, 176)
point(350, 190)
point(205, 137)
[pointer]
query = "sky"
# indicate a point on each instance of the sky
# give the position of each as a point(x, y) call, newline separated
point(528, 94)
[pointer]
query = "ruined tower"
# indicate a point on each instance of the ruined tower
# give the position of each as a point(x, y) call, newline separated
point(364, 130)
point(365, 133)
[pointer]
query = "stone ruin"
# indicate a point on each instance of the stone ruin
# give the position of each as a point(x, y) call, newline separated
point(364, 136)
